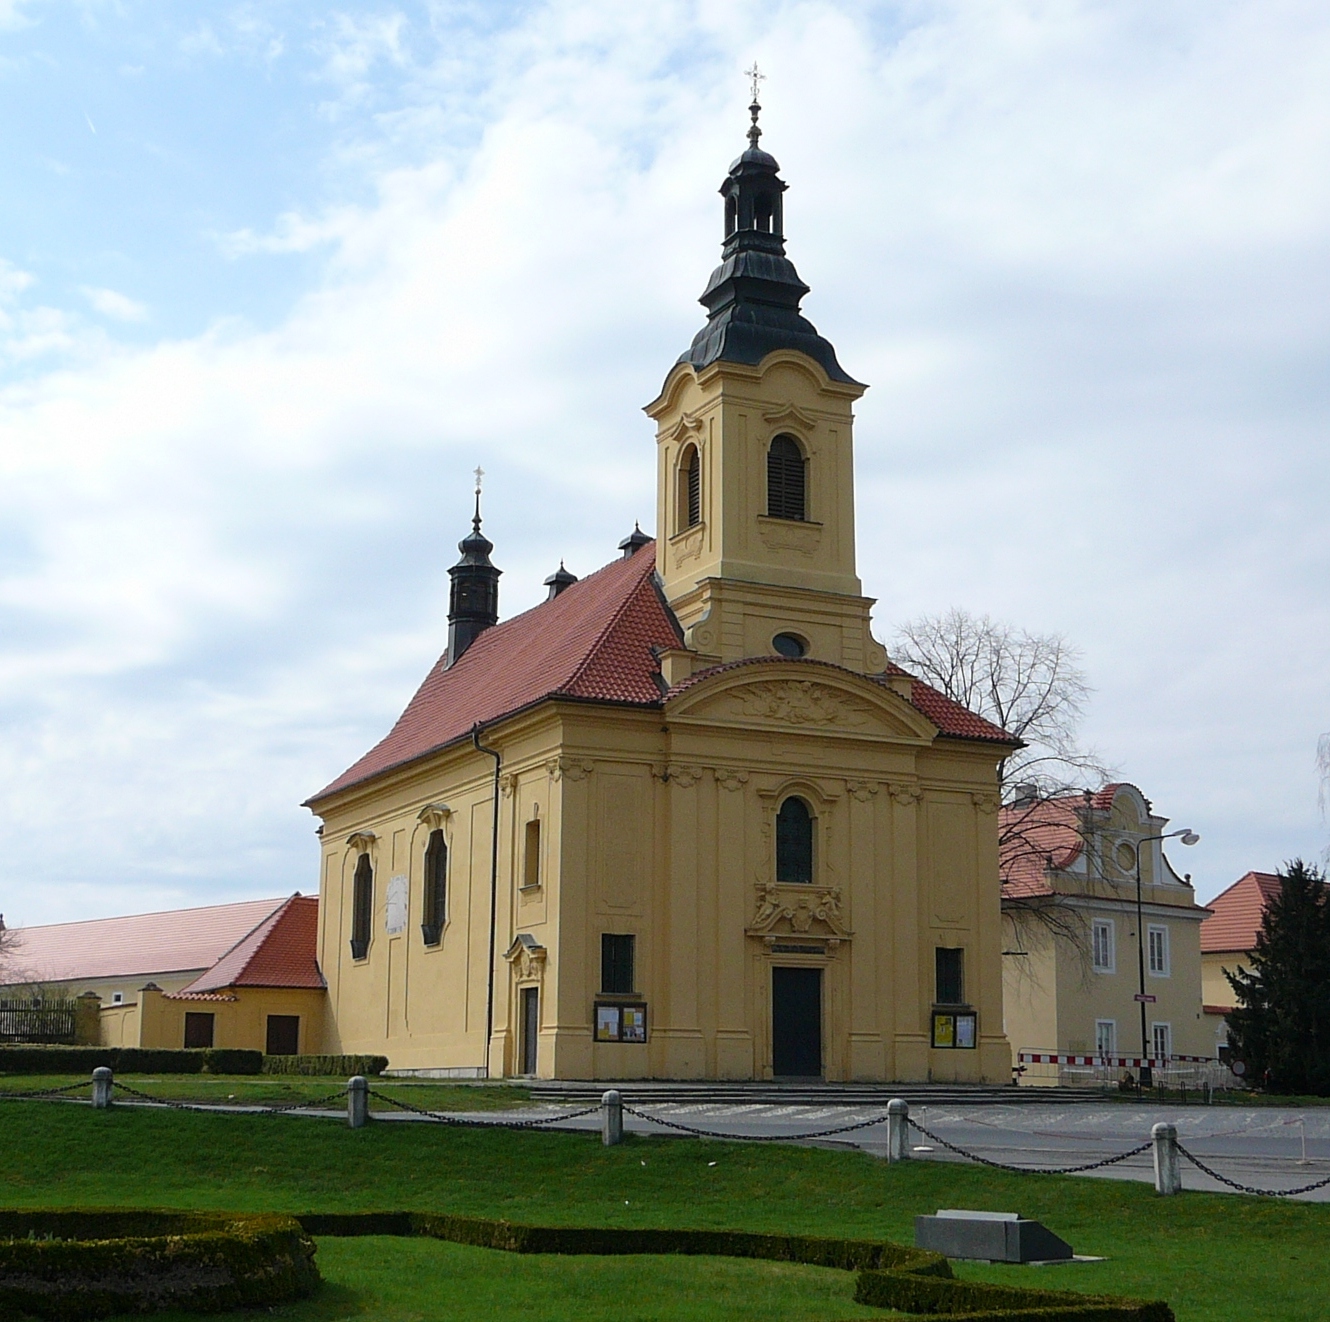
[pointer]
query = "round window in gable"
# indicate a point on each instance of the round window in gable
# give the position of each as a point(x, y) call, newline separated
point(790, 645)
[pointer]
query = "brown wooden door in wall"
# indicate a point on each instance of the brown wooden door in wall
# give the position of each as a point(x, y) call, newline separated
point(198, 1030)
point(530, 1028)
point(283, 1035)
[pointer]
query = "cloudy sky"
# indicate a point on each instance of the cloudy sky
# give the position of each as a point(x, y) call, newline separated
point(274, 278)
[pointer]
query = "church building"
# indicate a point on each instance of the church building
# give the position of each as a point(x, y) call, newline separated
point(684, 819)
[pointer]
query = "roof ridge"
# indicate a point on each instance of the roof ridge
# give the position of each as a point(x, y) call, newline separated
point(580, 669)
point(281, 908)
point(151, 913)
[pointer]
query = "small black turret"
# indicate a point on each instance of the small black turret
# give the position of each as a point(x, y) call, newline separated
point(473, 601)
point(634, 542)
point(559, 580)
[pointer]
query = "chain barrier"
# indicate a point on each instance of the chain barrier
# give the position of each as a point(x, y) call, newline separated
point(445, 1119)
point(42, 1092)
point(754, 1138)
point(1031, 1170)
point(1247, 1188)
point(211, 1108)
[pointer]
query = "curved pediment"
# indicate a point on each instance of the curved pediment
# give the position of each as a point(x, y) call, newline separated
point(798, 697)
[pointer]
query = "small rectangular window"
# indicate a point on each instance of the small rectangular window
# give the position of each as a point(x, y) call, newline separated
point(1161, 1037)
point(1158, 948)
point(1106, 1037)
point(117, 998)
point(616, 963)
point(531, 857)
point(1103, 946)
point(198, 1030)
point(950, 976)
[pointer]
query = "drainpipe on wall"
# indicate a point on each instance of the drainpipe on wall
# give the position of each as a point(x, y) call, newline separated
point(494, 893)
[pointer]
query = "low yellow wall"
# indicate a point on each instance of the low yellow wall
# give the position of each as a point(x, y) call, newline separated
point(241, 1022)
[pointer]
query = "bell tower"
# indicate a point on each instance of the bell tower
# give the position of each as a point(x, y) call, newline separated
point(755, 471)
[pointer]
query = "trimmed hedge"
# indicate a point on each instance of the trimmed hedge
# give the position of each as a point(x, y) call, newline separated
point(341, 1067)
point(481, 1232)
point(128, 1060)
point(911, 1293)
point(890, 1275)
point(68, 1266)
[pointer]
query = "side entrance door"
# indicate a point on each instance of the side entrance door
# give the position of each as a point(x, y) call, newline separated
point(796, 1023)
point(530, 1028)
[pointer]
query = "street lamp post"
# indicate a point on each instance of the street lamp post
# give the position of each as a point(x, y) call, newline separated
point(1187, 837)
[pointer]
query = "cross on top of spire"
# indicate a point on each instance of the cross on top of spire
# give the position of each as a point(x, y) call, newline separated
point(756, 76)
point(480, 473)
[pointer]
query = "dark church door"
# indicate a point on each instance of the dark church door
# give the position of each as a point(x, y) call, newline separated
point(796, 1023)
point(530, 1028)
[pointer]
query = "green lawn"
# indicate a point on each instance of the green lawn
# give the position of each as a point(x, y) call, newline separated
point(283, 1089)
point(1215, 1258)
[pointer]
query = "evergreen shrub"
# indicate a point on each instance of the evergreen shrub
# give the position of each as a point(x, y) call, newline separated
point(340, 1067)
point(68, 1266)
point(232, 1060)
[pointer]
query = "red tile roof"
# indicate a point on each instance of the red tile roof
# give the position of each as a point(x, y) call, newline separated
point(1236, 914)
point(949, 716)
point(138, 945)
point(592, 642)
point(280, 952)
point(1036, 837)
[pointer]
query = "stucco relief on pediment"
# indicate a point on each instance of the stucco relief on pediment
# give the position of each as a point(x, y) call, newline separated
point(799, 702)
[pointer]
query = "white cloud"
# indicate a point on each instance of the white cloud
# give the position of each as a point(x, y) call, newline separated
point(1079, 251)
point(117, 306)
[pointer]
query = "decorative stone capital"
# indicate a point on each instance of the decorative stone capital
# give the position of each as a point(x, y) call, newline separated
point(572, 768)
point(507, 784)
point(863, 790)
point(731, 780)
point(986, 803)
point(683, 776)
point(433, 815)
point(905, 795)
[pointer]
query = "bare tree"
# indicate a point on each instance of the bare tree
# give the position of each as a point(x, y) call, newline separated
point(1323, 771)
point(1032, 685)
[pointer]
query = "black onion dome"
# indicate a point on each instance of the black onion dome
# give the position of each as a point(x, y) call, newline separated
point(753, 296)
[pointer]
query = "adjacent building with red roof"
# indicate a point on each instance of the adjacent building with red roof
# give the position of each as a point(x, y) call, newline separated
point(1083, 944)
point(225, 975)
point(1228, 936)
point(682, 819)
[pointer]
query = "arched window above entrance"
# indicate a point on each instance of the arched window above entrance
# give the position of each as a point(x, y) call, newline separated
point(794, 842)
point(787, 480)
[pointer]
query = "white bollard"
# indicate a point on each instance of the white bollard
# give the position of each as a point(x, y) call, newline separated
point(611, 1118)
point(102, 1082)
point(898, 1130)
point(1168, 1165)
point(357, 1102)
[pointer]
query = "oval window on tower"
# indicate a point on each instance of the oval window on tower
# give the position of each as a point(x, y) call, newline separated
point(789, 645)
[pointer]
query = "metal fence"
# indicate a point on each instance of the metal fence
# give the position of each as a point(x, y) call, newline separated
point(49, 1022)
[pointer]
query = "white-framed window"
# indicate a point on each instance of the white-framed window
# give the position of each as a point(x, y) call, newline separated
point(1105, 954)
point(1161, 1041)
point(1106, 1037)
point(1157, 946)
point(117, 998)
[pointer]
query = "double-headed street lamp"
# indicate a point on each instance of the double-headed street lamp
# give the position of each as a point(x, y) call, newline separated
point(1187, 837)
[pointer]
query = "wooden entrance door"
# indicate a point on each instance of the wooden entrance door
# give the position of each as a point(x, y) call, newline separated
point(530, 1028)
point(796, 1023)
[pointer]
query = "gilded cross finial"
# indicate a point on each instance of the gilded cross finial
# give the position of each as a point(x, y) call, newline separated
point(756, 76)
point(480, 473)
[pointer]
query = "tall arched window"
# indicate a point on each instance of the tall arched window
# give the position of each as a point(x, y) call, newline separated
point(362, 907)
point(786, 480)
point(690, 488)
point(436, 888)
point(794, 842)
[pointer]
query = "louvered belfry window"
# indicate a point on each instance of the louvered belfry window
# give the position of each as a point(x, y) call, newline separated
point(436, 881)
point(690, 489)
point(362, 907)
point(786, 480)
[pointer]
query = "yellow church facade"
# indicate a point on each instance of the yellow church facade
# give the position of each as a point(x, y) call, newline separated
point(683, 820)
